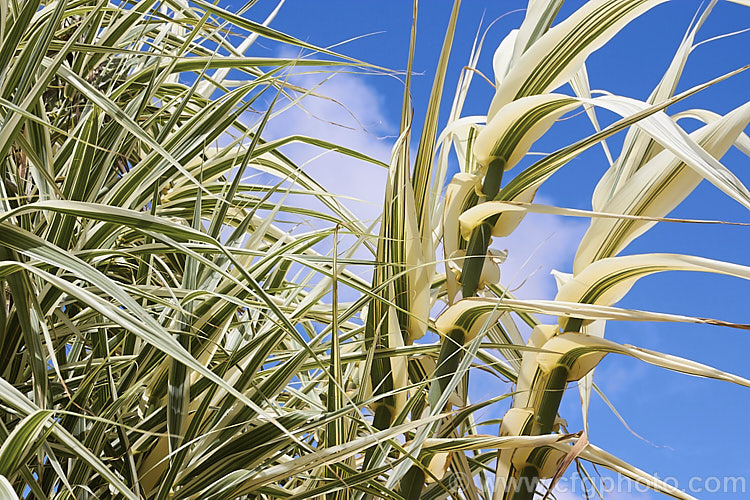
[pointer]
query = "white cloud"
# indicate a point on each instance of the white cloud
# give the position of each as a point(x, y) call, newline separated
point(333, 119)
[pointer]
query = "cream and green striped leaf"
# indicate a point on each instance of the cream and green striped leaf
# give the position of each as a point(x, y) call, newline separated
point(654, 190)
point(158, 243)
point(608, 280)
point(580, 353)
point(18, 402)
point(638, 147)
point(499, 146)
point(707, 117)
point(524, 185)
point(539, 17)
point(22, 442)
point(509, 134)
point(553, 58)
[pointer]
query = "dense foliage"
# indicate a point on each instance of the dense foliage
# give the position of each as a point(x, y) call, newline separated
point(165, 334)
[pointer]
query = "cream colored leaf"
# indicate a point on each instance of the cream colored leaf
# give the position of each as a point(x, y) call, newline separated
point(510, 133)
point(473, 217)
point(506, 442)
point(439, 464)
point(573, 350)
point(460, 194)
point(655, 189)
point(586, 383)
point(638, 147)
point(538, 19)
point(472, 315)
point(6, 490)
point(598, 456)
point(539, 336)
point(510, 219)
point(490, 269)
point(660, 128)
point(607, 281)
point(462, 132)
point(664, 131)
point(398, 363)
point(556, 56)
point(581, 353)
point(706, 116)
point(580, 85)
point(510, 207)
point(593, 312)
point(514, 423)
point(503, 57)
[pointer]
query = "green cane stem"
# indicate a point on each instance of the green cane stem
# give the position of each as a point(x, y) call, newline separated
point(471, 271)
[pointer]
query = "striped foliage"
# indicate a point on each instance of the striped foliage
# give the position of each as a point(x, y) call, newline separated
point(171, 328)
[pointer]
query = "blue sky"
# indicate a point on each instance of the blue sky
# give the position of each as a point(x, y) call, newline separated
point(692, 427)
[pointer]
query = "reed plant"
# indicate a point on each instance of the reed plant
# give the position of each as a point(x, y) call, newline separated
point(165, 334)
